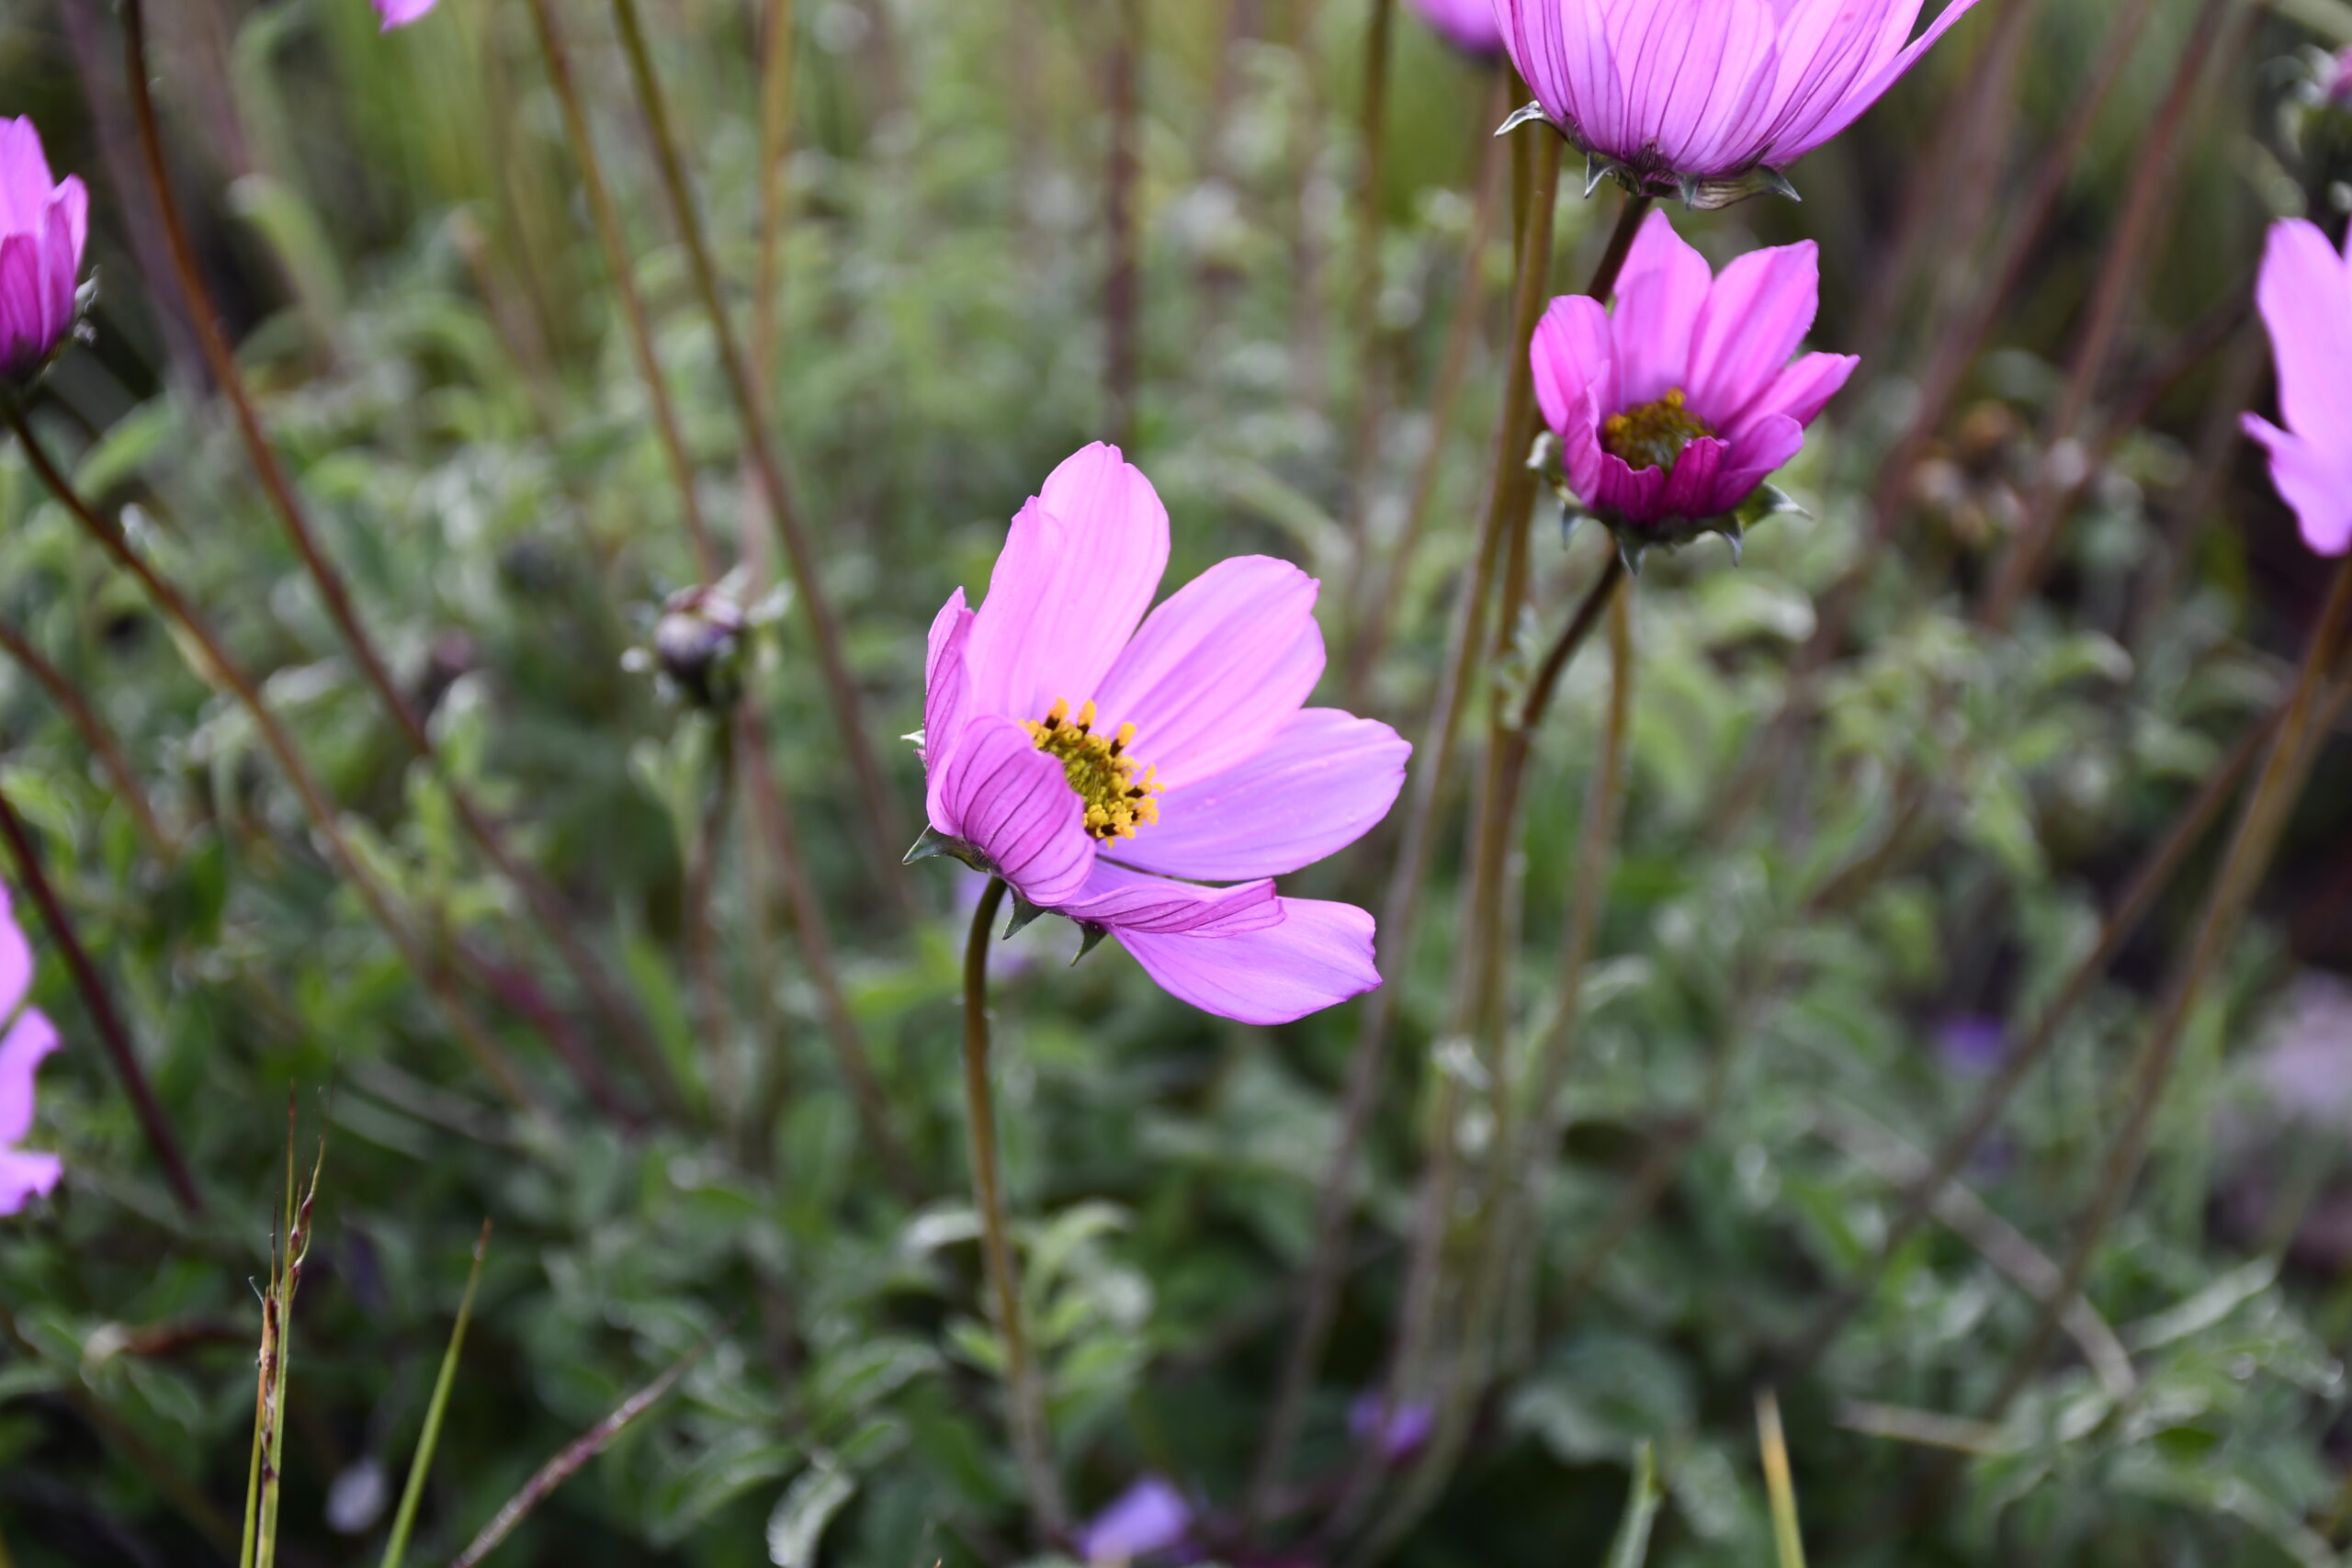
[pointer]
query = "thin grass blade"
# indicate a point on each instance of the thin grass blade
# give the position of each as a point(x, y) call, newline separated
point(404, 1520)
point(1632, 1546)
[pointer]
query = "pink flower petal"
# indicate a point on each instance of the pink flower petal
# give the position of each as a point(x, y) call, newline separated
point(1560, 48)
point(1800, 392)
point(1218, 669)
point(25, 184)
point(1129, 900)
point(1077, 573)
point(24, 1175)
point(947, 701)
point(1806, 133)
point(1574, 354)
point(1014, 804)
point(1658, 299)
point(29, 1041)
point(1469, 24)
point(1756, 313)
point(23, 341)
point(1319, 955)
point(401, 13)
point(1690, 491)
point(1764, 446)
point(1327, 780)
point(2316, 481)
point(60, 260)
point(2305, 293)
point(1693, 72)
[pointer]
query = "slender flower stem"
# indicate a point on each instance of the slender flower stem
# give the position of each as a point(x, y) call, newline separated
point(1024, 1388)
point(1400, 911)
point(776, 55)
point(99, 1004)
point(1469, 300)
point(771, 812)
point(1526, 1129)
point(783, 513)
point(469, 1030)
point(619, 268)
point(2162, 862)
point(98, 738)
point(1121, 282)
point(700, 923)
point(545, 905)
point(2152, 192)
point(2261, 823)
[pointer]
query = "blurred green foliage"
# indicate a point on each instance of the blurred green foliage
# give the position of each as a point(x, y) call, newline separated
point(395, 228)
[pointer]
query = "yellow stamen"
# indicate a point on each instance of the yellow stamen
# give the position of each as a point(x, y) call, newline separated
point(1099, 767)
point(1653, 435)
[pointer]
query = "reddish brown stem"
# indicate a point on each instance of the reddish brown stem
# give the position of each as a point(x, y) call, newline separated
point(98, 738)
point(99, 1004)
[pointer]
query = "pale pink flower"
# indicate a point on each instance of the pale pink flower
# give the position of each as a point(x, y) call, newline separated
point(1674, 408)
point(1092, 755)
point(2340, 87)
point(1699, 97)
point(401, 13)
point(25, 1174)
point(1468, 24)
point(2305, 293)
point(43, 226)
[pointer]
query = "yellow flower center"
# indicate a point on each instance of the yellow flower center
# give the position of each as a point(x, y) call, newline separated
point(1653, 435)
point(1099, 767)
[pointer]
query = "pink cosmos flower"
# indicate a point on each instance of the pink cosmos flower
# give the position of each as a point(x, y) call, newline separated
point(1711, 97)
point(43, 226)
point(1671, 412)
point(24, 1173)
point(2305, 293)
point(1468, 24)
point(1092, 755)
point(401, 13)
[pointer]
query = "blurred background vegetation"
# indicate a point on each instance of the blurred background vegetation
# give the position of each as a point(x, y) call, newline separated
point(1008, 229)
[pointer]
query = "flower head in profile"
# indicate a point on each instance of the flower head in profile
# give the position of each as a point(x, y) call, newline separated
point(1710, 99)
point(1468, 24)
point(25, 1174)
point(2305, 293)
point(44, 224)
point(401, 13)
point(1116, 767)
point(1672, 411)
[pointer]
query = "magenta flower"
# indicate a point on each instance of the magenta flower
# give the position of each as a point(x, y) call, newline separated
point(1671, 412)
point(2340, 85)
point(43, 226)
point(2305, 293)
point(1468, 24)
point(401, 13)
point(1089, 754)
point(25, 1174)
point(1709, 98)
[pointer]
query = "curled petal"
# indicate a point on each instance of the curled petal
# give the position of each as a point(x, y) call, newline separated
point(1014, 804)
point(1575, 357)
point(1327, 779)
point(1319, 955)
point(2305, 294)
point(947, 701)
point(1129, 900)
point(2313, 479)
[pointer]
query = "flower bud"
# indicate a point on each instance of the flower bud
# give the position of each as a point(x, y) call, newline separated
point(700, 648)
point(43, 227)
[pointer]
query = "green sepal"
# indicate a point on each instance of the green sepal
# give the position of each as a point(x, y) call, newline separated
point(935, 844)
point(1632, 551)
point(1768, 502)
point(1527, 116)
point(1024, 915)
point(1091, 940)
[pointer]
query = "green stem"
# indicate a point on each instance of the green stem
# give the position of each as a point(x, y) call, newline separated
point(1024, 1390)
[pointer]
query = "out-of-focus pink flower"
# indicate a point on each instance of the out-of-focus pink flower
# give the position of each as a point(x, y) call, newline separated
point(401, 13)
point(1684, 94)
point(25, 1174)
point(1468, 24)
point(1150, 1518)
point(1402, 1435)
point(43, 226)
point(1089, 753)
point(2305, 293)
point(1673, 409)
point(2340, 87)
